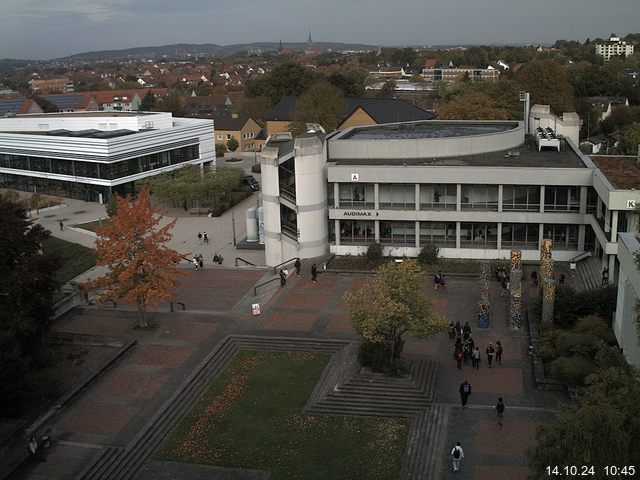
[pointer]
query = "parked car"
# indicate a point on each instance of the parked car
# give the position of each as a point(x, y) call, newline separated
point(252, 182)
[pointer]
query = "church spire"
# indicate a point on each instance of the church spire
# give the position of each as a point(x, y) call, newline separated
point(309, 40)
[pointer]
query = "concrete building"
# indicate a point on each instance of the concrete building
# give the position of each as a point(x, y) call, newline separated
point(475, 189)
point(613, 47)
point(92, 154)
point(625, 326)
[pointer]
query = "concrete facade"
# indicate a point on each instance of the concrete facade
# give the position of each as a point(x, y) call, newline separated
point(624, 325)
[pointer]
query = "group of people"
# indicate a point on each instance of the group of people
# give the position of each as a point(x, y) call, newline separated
point(439, 279)
point(203, 238)
point(284, 272)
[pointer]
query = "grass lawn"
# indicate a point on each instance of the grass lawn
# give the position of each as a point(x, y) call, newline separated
point(76, 259)
point(252, 417)
point(91, 226)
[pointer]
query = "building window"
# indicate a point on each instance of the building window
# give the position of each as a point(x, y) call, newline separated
point(357, 232)
point(564, 237)
point(401, 195)
point(220, 136)
point(439, 234)
point(562, 199)
point(438, 196)
point(356, 195)
point(520, 235)
point(288, 222)
point(479, 197)
point(479, 235)
point(228, 136)
point(398, 233)
point(592, 200)
point(517, 197)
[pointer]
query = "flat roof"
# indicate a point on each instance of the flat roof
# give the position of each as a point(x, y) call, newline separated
point(622, 171)
point(430, 129)
point(88, 114)
point(527, 155)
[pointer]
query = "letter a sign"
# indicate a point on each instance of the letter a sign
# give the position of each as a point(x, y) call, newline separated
point(354, 177)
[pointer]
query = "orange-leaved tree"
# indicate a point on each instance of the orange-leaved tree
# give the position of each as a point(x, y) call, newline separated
point(142, 271)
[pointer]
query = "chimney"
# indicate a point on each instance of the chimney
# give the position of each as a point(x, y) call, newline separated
point(234, 115)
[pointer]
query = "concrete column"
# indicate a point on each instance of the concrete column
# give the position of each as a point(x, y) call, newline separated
point(458, 225)
point(607, 221)
point(377, 230)
point(336, 194)
point(417, 193)
point(583, 200)
point(540, 234)
point(417, 234)
point(612, 267)
point(499, 233)
point(458, 202)
point(614, 225)
point(376, 200)
point(336, 229)
point(541, 200)
point(582, 232)
point(500, 198)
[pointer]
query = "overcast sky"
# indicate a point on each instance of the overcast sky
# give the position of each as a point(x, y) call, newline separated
point(42, 29)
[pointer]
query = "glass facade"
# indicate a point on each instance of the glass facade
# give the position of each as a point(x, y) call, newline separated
point(397, 195)
point(520, 235)
point(561, 199)
point(357, 232)
point(439, 234)
point(398, 233)
point(479, 235)
point(438, 196)
point(565, 237)
point(356, 195)
point(479, 197)
point(97, 170)
point(520, 197)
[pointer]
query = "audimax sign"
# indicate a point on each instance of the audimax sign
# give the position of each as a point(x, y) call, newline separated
point(360, 213)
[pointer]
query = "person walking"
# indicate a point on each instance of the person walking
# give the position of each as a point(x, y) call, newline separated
point(200, 261)
point(61, 223)
point(205, 238)
point(561, 279)
point(199, 238)
point(457, 454)
point(500, 411)
point(459, 355)
point(605, 277)
point(475, 358)
point(283, 278)
point(216, 258)
point(499, 352)
point(572, 269)
point(314, 272)
point(220, 259)
point(465, 391)
point(436, 280)
point(490, 353)
point(297, 266)
point(534, 278)
point(466, 331)
point(452, 331)
point(195, 262)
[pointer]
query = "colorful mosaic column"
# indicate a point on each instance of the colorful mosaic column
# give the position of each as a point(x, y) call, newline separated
point(482, 308)
point(516, 259)
point(515, 287)
point(548, 299)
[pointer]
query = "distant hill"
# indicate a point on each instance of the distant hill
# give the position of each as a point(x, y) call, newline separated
point(192, 50)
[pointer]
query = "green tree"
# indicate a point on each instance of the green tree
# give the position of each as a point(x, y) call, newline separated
point(322, 103)
point(391, 304)
point(148, 102)
point(256, 108)
point(630, 139)
point(171, 103)
point(221, 149)
point(548, 83)
point(388, 88)
point(232, 144)
point(287, 79)
point(351, 80)
point(472, 106)
point(602, 430)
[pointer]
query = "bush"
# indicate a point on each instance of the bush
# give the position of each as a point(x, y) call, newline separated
point(571, 305)
point(257, 168)
point(221, 149)
point(374, 254)
point(111, 206)
point(571, 370)
point(597, 326)
point(376, 356)
point(428, 255)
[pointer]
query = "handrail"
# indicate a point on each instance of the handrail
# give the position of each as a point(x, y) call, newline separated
point(247, 262)
point(284, 263)
point(255, 289)
point(583, 255)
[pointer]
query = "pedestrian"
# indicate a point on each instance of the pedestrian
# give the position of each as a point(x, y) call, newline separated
point(500, 411)
point(499, 352)
point(216, 258)
point(297, 266)
point(475, 358)
point(561, 279)
point(452, 331)
point(200, 261)
point(458, 329)
point(61, 225)
point(534, 278)
point(442, 277)
point(314, 272)
point(466, 350)
point(466, 331)
point(605, 277)
point(437, 279)
point(465, 391)
point(283, 278)
point(205, 238)
point(458, 355)
point(199, 238)
point(457, 454)
point(490, 353)
point(572, 269)
point(195, 263)
point(220, 259)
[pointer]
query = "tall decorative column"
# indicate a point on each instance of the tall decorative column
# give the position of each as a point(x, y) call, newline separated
point(515, 289)
point(548, 299)
point(482, 308)
point(516, 259)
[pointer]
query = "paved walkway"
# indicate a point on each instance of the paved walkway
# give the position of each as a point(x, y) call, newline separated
point(113, 409)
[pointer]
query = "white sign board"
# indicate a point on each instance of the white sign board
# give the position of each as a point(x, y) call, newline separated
point(255, 309)
point(631, 204)
point(355, 177)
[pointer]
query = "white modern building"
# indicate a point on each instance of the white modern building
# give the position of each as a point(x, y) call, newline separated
point(89, 155)
point(613, 47)
point(475, 189)
point(625, 326)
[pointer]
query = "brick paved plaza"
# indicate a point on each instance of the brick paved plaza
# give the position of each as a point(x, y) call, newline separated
point(114, 408)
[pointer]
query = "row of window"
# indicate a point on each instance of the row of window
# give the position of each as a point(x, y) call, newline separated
point(107, 171)
point(472, 235)
point(445, 196)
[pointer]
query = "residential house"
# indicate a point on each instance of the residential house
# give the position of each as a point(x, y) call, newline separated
point(452, 74)
point(614, 47)
point(605, 105)
point(51, 85)
point(118, 100)
point(74, 102)
point(241, 127)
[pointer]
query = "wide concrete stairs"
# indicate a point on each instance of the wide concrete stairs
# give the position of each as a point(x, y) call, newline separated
point(342, 390)
point(589, 274)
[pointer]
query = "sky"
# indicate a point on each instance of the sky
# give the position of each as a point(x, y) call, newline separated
point(45, 29)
